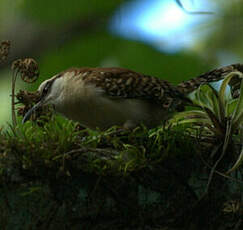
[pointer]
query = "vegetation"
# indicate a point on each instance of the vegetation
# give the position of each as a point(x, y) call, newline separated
point(184, 174)
point(55, 174)
point(218, 115)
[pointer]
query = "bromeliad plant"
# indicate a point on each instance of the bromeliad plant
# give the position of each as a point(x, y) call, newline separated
point(218, 115)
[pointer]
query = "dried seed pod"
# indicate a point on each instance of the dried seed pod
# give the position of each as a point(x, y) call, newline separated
point(21, 111)
point(30, 71)
point(28, 98)
point(16, 65)
point(4, 50)
point(28, 68)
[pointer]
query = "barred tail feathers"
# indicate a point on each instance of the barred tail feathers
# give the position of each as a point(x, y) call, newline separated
point(189, 86)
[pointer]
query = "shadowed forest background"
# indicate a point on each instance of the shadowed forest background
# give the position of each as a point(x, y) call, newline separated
point(154, 37)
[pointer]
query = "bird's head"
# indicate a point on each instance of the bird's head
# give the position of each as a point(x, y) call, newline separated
point(49, 91)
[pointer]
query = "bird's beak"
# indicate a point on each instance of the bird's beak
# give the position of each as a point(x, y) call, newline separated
point(33, 109)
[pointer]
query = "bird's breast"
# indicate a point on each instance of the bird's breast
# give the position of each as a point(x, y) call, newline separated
point(91, 107)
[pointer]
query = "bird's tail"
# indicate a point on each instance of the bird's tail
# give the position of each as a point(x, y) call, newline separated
point(189, 86)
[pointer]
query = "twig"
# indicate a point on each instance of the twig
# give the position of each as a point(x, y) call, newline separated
point(226, 141)
point(221, 174)
point(179, 3)
point(14, 77)
point(6, 201)
point(106, 153)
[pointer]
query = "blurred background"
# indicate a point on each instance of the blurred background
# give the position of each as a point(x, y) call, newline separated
point(170, 39)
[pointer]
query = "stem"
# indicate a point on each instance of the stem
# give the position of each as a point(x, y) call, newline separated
point(225, 145)
point(14, 77)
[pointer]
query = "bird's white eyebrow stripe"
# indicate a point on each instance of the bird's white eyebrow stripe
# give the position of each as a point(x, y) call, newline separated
point(58, 76)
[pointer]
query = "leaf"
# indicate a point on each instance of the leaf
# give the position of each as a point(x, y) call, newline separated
point(205, 123)
point(230, 107)
point(191, 113)
point(224, 85)
point(237, 117)
point(218, 127)
point(237, 163)
point(207, 97)
point(213, 98)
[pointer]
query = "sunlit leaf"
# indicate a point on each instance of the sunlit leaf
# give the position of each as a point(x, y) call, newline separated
point(222, 90)
point(207, 97)
point(238, 113)
point(191, 113)
point(230, 107)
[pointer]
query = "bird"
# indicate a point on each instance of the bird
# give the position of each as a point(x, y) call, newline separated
point(104, 97)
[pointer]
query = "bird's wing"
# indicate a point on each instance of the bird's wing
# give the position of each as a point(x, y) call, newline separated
point(119, 83)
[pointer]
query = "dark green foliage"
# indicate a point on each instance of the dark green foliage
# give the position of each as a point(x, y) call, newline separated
point(59, 12)
point(61, 176)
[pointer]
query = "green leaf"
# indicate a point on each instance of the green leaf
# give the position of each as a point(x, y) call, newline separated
point(225, 83)
point(237, 163)
point(213, 98)
point(201, 122)
point(207, 97)
point(215, 121)
point(191, 113)
point(230, 107)
point(237, 118)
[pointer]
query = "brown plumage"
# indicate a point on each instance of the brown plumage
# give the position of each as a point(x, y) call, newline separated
point(188, 86)
point(120, 83)
point(102, 97)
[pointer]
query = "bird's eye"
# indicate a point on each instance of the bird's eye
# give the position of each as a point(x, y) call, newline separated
point(45, 90)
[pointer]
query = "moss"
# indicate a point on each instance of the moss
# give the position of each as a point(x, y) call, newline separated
point(114, 151)
point(55, 174)
point(70, 175)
